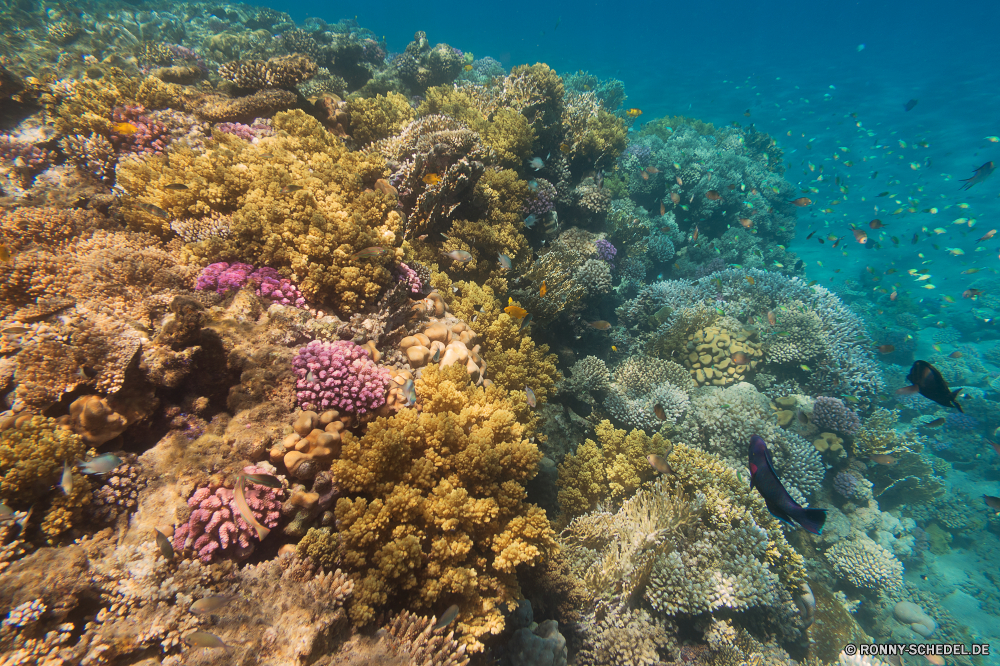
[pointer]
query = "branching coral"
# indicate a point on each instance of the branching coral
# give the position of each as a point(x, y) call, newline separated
point(435, 508)
point(865, 564)
point(379, 117)
point(610, 469)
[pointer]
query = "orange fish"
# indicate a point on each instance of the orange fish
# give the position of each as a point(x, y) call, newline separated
point(679, 181)
point(543, 289)
point(746, 222)
point(713, 195)
point(750, 280)
point(663, 209)
point(882, 459)
point(652, 170)
point(801, 202)
point(676, 198)
point(633, 113)
point(740, 358)
point(886, 349)
point(876, 224)
point(694, 236)
point(989, 234)
point(645, 176)
point(971, 293)
point(860, 236)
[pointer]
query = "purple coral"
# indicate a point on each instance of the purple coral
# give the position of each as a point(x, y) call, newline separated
point(846, 484)
point(606, 251)
point(259, 128)
point(222, 277)
point(963, 422)
point(339, 375)
point(216, 526)
point(832, 415)
point(542, 197)
point(410, 277)
point(134, 132)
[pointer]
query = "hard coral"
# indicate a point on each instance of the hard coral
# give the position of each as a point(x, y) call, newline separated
point(216, 525)
point(282, 72)
point(436, 511)
point(339, 375)
point(833, 414)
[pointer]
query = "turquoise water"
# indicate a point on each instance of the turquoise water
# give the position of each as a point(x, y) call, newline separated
point(183, 280)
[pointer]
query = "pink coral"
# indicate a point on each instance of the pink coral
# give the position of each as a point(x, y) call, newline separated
point(135, 132)
point(223, 277)
point(410, 277)
point(216, 526)
point(339, 375)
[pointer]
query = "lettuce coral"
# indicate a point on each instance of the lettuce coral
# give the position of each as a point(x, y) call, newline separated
point(435, 511)
point(300, 203)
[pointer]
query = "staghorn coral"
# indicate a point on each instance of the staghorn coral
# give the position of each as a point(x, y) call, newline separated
point(610, 469)
point(865, 564)
point(435, 507)
point(311, 235)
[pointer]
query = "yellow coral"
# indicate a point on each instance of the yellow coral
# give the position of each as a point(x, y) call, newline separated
point(612, 470)
point(300, 203)
point(436, 511)
point(378, 117)
point(718, 356)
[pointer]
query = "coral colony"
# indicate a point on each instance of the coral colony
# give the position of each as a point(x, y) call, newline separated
point(305, 341)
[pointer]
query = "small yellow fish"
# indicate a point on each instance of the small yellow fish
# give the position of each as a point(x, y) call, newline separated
point(543, 289)
point(993, 139)
point(749, 278)
point(125, 129)
point(432, 179)
point(468, 68)
point(633, 113)
point(564, 147)
point(515, 311)
point(613, 348)
point(806, 367)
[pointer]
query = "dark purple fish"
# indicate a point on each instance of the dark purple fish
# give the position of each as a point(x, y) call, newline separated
point(909, 105)
point(978, 176)
point(932, 385)
point(778, 501)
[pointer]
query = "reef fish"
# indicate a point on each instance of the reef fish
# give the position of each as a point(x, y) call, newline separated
point(932, 385)
point(210, 604)
point(909, 105)
point(659, 412)
point(530, 395)
point(978, 176)
point(446, 618)
point(515, 311)
point(152, 210)
point(801, 202)
point(431, 179)
point(992, 502)
point(163, 543)
point(778, 501)
point(600, 325)
point(67, 479)
point(203, 639)
point(659, 463)
point(177, 187)
point(374, 251)
point(504, 261)
point(536, 163)
point(410, 393)
point(266, 480)
point(458, 255)
point(882, 459)
point(633, 113)
point(100, 464)
point(245, 512)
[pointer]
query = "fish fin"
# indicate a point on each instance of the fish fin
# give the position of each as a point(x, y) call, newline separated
point(778, 512)
point(954, 395)
point(811, 519)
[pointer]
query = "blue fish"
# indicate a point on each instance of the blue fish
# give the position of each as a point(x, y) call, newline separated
point(778, 501)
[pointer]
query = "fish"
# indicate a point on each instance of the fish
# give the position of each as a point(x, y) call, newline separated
point(125, 129)
point(772, 319)
point(530, 221)
point(978, 176)
point(543, 289)
point(876, 224)
point(860, 235)
point(458, 255)
point(659, 463)
point(467, 68)
point(679, 181)
point(203, 639)
point(932, 385)
point(652, 170)
point(152, 210)
point(740, 358)
point(989, 234)
point(645, 176)
point(176, 187)
point(676, 198)
point(210, 604)
point(886, 349)
point(4, 253)
point(288, 189)
point(806, 367)
point(530, 395)
point(600, 325)
point(245, 512)
point(909, 105)
point(525, 321)
point(374, 251)
point(955, 354)
point(163, 543)
point(992, 502)
point(779, 503)
point(385, 187)
point(748, 223)
point(266, 480)
point(713, 195)
point(801, 202)
point(970, 271)
point(410, 393)
point(658, 411)
point(536, 163)
point(504, 261)
point(935, 659)
point(936, 423)
point(66, 484)
point(565, 148)
point(893, 296)
point(101, 464)
point(663, 208)
point(515, 311)
point(916, 238)
point(882, 459)
point(436, 356)
point(446, 618)
point(633, 113)
point(16, 329)
point(811, 234)
point(972, 293)
point(431, 179)
point(694, 236)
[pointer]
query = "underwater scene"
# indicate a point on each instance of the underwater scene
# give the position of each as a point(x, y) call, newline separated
point(516, 335)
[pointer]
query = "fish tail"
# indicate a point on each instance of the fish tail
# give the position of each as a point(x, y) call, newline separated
point(811, 519)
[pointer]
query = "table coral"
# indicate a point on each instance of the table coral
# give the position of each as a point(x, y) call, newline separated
point(436, 509)
point(216, 526)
